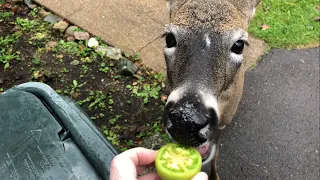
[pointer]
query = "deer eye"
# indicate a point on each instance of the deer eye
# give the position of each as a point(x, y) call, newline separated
point(170, 40)
point(238, 47)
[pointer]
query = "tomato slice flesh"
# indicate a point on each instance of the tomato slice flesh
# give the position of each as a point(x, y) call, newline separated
point(177, 162)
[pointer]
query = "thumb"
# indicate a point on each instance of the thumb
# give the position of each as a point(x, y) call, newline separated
point(200, 176)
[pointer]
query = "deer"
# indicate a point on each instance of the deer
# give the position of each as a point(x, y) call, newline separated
point(204, 59)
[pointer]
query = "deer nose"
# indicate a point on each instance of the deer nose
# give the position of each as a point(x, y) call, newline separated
point(188, 124)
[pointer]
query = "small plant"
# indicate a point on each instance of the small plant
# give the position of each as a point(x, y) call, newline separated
point(111, 136)
point(97, 97)
point(79, 30)
point(9, 40)
point(114, 119)
point(33, 12)
point(129, 87)
point(64, 70)
point(36, 61)
point(117, 77)
point(84, 69)
point(136, 57)
point(27, 25)
point(75, 87)
point(5, 15)
point(103, 67)
point(7, 57)
point(110, 102)
point(147, 92)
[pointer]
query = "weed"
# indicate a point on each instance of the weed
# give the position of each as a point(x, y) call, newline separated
point(103, 67)
point(9, 40)
point(6, 52)
point(84, 69)
point(111, 136)
point(7, 56)
point(33, 12)
point(110, 101)
point(5, 15)
point(147, 92)
point(87, 60)
point(129, 87)
point(97, 97)
point(36, 61)
point(64, 70)
point(136, 57)
point(114, 119)
point(117, 77)
point(79, 30)
point(27, 25)
point(75, 87)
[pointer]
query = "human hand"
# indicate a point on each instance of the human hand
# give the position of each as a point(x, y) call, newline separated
point(129, 164)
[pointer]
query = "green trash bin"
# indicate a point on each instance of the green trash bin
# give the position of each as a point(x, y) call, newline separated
point(46, 136)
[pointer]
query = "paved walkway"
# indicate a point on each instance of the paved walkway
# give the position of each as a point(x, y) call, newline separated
point(275, 134)
point(131, 25)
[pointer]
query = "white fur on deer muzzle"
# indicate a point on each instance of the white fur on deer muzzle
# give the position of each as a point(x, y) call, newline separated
point(208, 99)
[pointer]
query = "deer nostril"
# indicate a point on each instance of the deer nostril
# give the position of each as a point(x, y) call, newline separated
point(187, 125)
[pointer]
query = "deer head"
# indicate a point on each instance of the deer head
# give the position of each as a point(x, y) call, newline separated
point(204, 44)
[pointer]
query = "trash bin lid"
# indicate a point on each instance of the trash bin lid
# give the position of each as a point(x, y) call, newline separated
point(36, 144)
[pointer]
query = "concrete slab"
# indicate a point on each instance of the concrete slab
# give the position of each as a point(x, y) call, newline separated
point(254, 51)
point(275, 134)
point(129, 25)
point(64, 8)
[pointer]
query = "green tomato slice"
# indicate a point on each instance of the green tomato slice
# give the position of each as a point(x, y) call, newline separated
point(177, 162)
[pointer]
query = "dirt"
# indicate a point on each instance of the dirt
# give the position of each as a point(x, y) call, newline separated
point(120, 114)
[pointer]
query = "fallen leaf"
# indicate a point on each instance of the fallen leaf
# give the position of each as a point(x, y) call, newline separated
point(164, 98)
point(264, 27)
point(7, 6)
point(36, 74)
point(316, 18)
point(59, 56)
point(51, 44)
point(134, 83)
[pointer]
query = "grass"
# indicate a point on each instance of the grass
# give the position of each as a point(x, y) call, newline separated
point(288, 23)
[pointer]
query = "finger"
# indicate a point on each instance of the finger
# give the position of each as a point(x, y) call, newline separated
point(122, 169)
point(200, 176)
point(140, 169)
point(150, 176)
point(140, 156)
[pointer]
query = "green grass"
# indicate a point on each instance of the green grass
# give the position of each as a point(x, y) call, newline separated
point(290, 23)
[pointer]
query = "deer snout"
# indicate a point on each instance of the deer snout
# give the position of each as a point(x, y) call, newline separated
point(188, 122)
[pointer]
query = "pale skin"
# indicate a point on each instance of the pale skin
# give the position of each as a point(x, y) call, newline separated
point(129, 164)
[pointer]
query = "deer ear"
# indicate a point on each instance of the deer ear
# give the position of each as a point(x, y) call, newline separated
point(246, 7)
point(175, 5)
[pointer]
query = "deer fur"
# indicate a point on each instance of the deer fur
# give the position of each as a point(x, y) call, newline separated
point(205, 30)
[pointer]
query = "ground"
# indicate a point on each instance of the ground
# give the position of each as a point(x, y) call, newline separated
point(126, 109)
